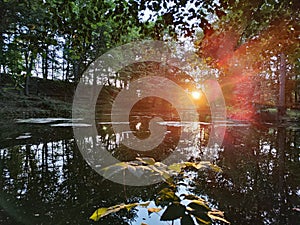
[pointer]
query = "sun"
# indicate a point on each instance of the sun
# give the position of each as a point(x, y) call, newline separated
point(196, 94)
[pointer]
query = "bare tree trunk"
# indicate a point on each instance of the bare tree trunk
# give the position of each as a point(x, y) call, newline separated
point(45, 64)
point(282, 75)
point(52, 64)
point(26, 91)
point(67, 71)
point(296, 92)
point(29, 64)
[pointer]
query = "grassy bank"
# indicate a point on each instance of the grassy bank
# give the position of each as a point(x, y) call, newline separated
point(14, 105)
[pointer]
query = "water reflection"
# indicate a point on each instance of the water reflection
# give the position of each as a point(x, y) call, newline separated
point(45, 180)
point(260, 179)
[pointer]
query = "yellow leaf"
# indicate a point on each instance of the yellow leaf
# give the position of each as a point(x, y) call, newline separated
point(147, 160)
point(217, 212)
point(201, 203)
point(152, 210)
point(176, 167)
point(187, 164)
point(145, 204)
point(203, 221)
point(99, 213)
point(130, 206)
point(216, 168)
point(217, 218)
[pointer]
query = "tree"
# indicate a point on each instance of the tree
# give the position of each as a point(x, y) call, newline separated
point(64, 40)
point(240, 39)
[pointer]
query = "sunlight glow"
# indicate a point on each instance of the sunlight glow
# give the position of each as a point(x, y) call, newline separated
point(196, 94)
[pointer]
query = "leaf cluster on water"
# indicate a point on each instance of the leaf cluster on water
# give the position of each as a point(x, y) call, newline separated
point(188, 208)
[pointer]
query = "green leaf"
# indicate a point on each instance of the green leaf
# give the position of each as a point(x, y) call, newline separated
point(166, 196)
point(200, 210)
point(198, 205)
point(173, 212)
point(192, 197)
point(187, 220)
point(203, 220)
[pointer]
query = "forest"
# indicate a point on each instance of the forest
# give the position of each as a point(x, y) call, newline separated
point(253, 44)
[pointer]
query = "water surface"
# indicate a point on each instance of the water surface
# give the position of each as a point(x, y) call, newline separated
point(45, 179)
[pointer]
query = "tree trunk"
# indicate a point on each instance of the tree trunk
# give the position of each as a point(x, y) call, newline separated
point(26, 91)
point(45, 64)
point(282, 75)
point(29, 64)
point(295, 103)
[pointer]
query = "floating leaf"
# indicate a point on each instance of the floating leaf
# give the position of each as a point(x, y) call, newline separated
point(214, 217)
point(192, 197)
point(153, 210)
point(202, 165)
point(190, 164)
point(204, 220)
point(130, 206)
point(176, 167)
point(216, 168)
point(165, 196)
point(199, 205)
point(137, 171)
point(173, 212)
point(200, 210)
point(187, 220)
point(147, 160)
point(145, 204)
point(160, 165)
point(131, 169)
point(101, 212)
point(113, 169)
point(217, 212)
point(162, 172)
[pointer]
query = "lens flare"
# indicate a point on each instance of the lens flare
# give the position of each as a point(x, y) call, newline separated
point(196, 94)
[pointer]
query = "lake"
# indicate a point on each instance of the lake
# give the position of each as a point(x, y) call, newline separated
point(46, 180)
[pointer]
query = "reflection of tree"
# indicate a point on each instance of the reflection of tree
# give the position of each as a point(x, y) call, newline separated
point(112, 141)
point(50, 183)
point(260, 178)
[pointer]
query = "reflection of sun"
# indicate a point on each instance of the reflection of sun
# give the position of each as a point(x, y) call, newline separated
point(196, 94)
